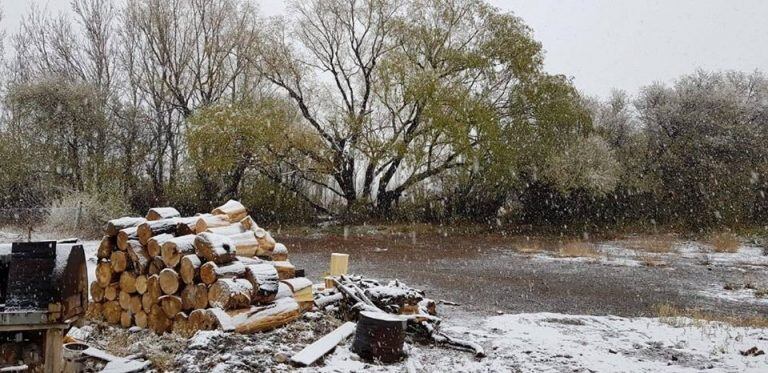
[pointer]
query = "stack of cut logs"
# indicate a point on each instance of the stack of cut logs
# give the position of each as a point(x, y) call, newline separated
point(171, 273)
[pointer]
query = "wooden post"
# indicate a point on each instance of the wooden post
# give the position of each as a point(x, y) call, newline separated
point(54, 344)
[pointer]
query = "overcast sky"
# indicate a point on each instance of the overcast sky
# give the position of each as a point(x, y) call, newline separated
point(625, 44)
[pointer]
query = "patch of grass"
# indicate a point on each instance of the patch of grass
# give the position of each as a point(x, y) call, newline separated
point(725, 242)
point(578, 249)
point(528, 246)
point(652, 244)
point(680, 317)
point(650, 260)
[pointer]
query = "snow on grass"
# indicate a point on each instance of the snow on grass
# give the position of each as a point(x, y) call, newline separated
point(548, 342)
point(743, 295)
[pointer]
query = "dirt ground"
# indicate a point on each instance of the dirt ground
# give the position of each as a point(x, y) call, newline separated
point(488, 273)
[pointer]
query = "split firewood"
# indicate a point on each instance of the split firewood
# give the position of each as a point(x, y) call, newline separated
point(114, 226)
point(111, 291)
point(201, 319)
point(159, 213)
point(125, 235)
point(154, 243)
point(141, 284)
point(185, 226)
point(234, 210)
point(246, 243)
point(173, 249)
point(285, 270)
point(280, 253)
point(324, 345)
point(153, 228)
point(302, 292)
point(228, 230)
point(229, 294)
point(126, 320)
point(210, 271)
point(266, 242)
point(264, 279)
point(141, 319)
point(104, 273)
point(107, 245)
point(112, 311)
point(156, 264)
point(169, 281)
point(97, 292)
point(119, 261)
point(205, 222)
point(138, 256)
point(128, 282)
point(214, 248)
point(189, 269)
point(194, 296)
point(170, 304)
point(282, 312)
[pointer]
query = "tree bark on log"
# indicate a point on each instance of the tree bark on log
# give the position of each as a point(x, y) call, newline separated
point(155, 243)
point(214, 248)
point(155, 228)
point(229, 294)
point(185, 226)
point(156, 265)
point(189, 269)
point(125, 235)
point(173, 249)
point(285, 270)
point(205, 222)
point(114, 226)
point(228, 230)
point(234, 210)
point(264, 279)
point(280, 313)
point(379, 336)
point(107, 245)
point(160, 213)
point(246, 244)
point(138, 257)
point(210, 271)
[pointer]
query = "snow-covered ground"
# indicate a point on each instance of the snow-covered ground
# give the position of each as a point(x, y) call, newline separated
point(547, 342)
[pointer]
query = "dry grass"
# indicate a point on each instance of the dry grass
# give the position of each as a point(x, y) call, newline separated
point(678, 317)
point(577, 249)
point(529, 246)
point(650, 260)
point(725, 242)
point(653, 244)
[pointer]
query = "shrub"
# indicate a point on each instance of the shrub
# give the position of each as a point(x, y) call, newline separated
point(84, 214)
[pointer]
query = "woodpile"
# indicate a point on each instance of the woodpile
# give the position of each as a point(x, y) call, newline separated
point(180, 274)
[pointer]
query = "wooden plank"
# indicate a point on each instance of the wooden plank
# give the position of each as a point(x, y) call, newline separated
point(324, 345)
point(54, 345)
point(339, 264)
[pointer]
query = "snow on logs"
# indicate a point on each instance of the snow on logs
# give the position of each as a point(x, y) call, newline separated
point(166, 273)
